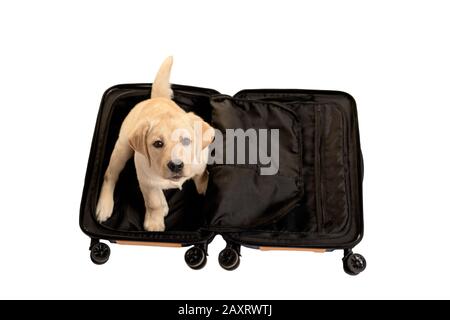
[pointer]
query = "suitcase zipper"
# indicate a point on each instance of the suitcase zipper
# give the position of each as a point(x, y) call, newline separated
point(317, 167)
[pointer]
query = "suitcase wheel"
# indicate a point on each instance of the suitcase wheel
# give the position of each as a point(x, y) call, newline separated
point(229, 259)
point(100, 253)
point(354, 263)
point(195, 258)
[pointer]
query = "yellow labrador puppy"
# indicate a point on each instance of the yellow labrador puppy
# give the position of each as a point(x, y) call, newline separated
point(169, 145)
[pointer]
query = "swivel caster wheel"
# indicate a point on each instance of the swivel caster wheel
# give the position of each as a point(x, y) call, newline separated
point(354, 263)
point(100, 253)
point(229, 259)
point(195, 258)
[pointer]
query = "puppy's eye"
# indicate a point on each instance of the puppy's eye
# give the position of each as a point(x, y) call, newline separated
point(158, 144)
point(185, 141)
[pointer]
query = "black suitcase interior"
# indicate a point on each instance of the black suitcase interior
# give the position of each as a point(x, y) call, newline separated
point(313, 202)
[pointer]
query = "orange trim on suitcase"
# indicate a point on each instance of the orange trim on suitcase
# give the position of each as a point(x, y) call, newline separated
point(318, 250)
point(151, 244)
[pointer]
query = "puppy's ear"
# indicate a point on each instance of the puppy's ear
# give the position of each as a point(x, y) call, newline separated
point(138, 139)
point(206, 131)
point(161, 86)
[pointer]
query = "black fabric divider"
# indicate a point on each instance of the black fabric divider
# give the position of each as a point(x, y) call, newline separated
point(238, 195)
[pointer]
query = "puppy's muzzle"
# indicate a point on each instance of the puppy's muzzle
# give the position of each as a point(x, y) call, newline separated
point(175, 166)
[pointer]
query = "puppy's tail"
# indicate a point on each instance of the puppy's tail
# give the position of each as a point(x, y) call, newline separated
point(161, 86)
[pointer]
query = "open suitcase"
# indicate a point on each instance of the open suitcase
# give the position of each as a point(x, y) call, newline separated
point(313, 202)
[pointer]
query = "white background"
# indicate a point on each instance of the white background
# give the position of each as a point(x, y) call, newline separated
point(57, 58)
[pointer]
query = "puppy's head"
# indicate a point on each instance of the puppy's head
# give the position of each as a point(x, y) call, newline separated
point(172, 145)
point(171, 139)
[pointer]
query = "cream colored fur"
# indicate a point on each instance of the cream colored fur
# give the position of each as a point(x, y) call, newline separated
point(158, 118)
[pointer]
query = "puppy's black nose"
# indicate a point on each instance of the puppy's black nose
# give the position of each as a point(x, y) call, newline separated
point(175, 166)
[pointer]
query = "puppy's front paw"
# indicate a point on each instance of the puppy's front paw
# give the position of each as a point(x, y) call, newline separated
point(104, 209)
point(154, 224)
